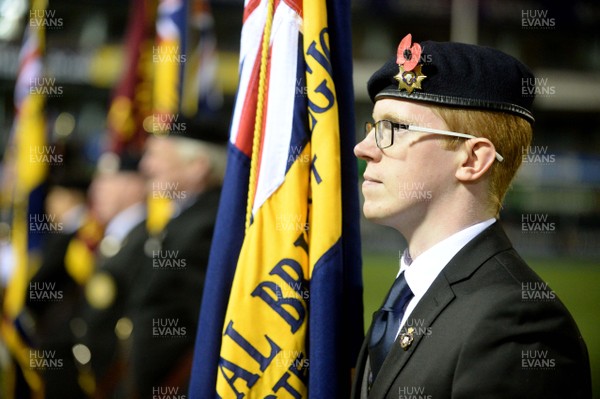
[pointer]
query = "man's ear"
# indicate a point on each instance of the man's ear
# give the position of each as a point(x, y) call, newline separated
point(478, 156)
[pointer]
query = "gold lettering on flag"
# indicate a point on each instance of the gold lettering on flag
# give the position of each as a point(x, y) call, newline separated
point(264, 343)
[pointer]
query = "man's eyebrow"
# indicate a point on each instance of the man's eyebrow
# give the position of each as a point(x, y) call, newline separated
point(391, 116)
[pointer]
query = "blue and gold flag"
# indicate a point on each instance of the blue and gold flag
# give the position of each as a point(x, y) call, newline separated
point(282, 310)
point(25, 182)
point(202, 96)
point(168, 58)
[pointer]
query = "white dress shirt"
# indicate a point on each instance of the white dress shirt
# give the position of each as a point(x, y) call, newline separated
point(119, 227)
point(428, 265)
point(125, 221)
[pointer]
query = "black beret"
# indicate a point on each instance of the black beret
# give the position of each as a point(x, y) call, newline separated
point(111, 162)
point(212, 130)
point(75, 171)
point(461, 75)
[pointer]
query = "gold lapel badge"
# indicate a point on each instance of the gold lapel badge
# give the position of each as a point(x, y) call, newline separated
point(407, 338)
point(408, 56)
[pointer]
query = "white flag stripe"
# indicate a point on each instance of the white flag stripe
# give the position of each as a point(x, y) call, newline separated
point(282, 94)
point(250, 44)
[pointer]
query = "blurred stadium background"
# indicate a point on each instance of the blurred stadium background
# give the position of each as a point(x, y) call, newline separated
point(560, 41)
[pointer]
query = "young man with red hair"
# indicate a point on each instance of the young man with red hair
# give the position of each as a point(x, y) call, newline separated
point(449, 125)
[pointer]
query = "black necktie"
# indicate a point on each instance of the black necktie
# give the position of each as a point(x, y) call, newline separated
point(386, 323)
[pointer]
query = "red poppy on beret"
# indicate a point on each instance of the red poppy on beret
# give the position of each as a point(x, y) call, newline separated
point(408, 56)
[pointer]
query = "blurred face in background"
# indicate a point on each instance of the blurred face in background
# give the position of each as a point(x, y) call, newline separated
point(60, 200)
point(112, 193)
point(161, 163)
point(172, 164)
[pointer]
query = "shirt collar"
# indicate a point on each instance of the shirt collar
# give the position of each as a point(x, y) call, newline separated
point(180, 205)
point(426, 267)
point(125, 220)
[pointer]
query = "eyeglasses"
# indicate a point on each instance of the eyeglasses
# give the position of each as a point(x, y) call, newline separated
point(385, 131)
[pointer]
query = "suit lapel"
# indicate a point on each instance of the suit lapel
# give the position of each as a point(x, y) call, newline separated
point(486, 245)
point(424, 315)
point(361, 364)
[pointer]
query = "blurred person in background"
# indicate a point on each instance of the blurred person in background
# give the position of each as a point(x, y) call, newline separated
point(75, 327)
point(187, 168)
point(117, 197)
point(54, 292)
point(466, 316)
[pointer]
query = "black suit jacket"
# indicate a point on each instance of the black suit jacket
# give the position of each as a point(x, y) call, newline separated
point(52, 318)
point(487, 328)
point(123, 269)
point(162, 294)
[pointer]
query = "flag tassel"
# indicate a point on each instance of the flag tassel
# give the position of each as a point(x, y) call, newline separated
point(259, 113)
